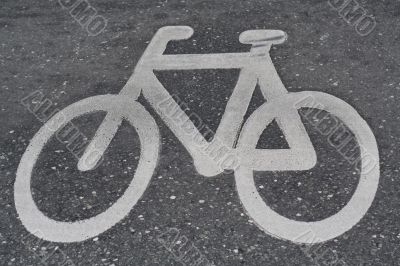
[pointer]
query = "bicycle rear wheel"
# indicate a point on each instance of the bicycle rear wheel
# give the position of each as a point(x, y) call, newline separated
point(279, 226)
point(42, 226)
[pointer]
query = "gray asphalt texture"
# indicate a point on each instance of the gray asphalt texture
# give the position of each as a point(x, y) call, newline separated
point(43, 48)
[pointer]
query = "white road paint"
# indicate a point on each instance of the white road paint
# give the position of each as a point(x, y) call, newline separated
point(279, 226)
point(256, 68)
point(35, 221)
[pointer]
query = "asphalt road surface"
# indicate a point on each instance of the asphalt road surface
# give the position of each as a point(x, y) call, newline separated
point(51, 59)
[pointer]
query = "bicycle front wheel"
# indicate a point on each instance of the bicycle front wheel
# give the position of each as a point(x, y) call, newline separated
point(44, 227)
point(279, 226)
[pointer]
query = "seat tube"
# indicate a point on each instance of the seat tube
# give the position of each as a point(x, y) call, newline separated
point(268, 79)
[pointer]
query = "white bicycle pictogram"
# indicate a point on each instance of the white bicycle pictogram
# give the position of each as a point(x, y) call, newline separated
point(256, 67)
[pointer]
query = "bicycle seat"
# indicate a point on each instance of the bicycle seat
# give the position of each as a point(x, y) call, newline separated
point(258, 37)
point(176, 33)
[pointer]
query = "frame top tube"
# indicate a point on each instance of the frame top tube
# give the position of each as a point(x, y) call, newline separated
point(204, 61)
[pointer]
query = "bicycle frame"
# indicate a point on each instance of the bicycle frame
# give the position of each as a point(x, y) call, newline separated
point(256, 67)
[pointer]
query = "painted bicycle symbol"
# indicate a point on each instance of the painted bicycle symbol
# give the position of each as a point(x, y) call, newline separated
point(256, 67)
